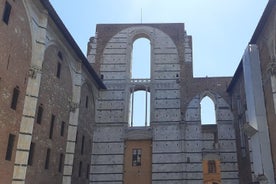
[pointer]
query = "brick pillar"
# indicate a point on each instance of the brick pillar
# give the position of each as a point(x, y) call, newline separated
point(26, 125)
point(72, 129)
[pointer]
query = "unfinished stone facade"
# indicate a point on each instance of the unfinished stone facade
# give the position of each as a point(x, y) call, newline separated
point(179, 142)
point(63, 121)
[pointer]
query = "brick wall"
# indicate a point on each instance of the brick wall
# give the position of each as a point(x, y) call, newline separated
point(15, 57)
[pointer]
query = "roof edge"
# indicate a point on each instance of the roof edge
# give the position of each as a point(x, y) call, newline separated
point(262, 21)
point(53, 14)
point(254, 38)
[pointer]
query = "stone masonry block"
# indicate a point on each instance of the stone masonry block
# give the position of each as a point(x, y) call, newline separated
point(24, 141)
point(114, 59)
point(116, 45)
point(166, 176)
point(166, 146)
point(30, 105)
point(26, 125)
point(113, 67)
point(114, 51)
point(112, 95)
point(166, 167)
point(111, 104)
point(167, 94)
point(107, 168)
point(108, 133)
point(167, 158)
point(167, 115)
point(164, 67)
point(114, 75)
point(167, 133)
point(110, 116)
point(192, 115)
point(19, 172)
point(193, 131)
point(227, 145)
point(113, 148)
point(107, 159)
point(228, 157)
point(168, 58)
point(21, 157)
point(106, 178)
point(193, 167)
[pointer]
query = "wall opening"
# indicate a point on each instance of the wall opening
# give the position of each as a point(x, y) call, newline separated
point(139, 108)
point(211, 172)
point(207, 110)
point(141, 59)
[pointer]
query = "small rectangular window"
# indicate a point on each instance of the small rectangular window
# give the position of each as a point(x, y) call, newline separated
point(52, 126)
point(7, 13)
point(31, 154)
point(86, 102)
point(60, 55)
point(60, 165)
point(80, 168)
point(62, 128)
point(87, 171)
point(77, 134)
point(82, 144)
point(58, 69)
point(39, 114)
point(15, 97)
point(10, 147)
point(136, 157)
point(47, 160)
point(211, 166)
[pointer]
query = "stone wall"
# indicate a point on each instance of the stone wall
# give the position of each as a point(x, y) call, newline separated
point(179, 143)
point(48, 69)
point(15, 59)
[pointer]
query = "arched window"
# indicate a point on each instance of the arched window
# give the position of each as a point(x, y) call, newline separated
point(140, 69)
point(212, 166)
point(140, 108)
point(141, 59)
point(208, 114)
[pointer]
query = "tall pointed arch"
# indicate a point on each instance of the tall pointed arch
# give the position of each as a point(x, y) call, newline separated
point(207, 111)
point(141, 59)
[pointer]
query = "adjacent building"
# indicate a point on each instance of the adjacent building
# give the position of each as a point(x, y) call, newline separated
point(48, 93)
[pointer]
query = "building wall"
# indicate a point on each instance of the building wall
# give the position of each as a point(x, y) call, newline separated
point(112, 120)
point(266, 43)
point(259, 126)
point(35, 42)
point(239, 108)
point(47, 134)
point(179, 141)
point(15, 57)
point(210, 143)
point(83, 149)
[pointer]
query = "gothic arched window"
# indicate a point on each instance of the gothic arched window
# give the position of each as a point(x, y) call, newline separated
point(208, 114)
point(141, 53)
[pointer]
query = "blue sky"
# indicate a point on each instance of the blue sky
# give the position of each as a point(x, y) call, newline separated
point(221, 29)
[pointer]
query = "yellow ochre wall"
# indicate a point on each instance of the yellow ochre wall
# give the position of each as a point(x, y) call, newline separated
point(211, 178)
point(138, 174)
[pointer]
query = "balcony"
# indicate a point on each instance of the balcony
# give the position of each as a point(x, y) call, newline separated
point(140, 81)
